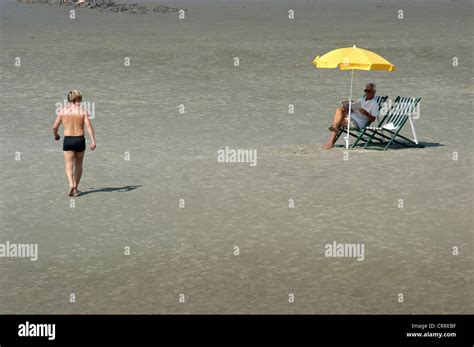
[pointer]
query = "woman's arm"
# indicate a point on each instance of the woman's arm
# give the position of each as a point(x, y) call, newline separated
point(367, 114)
point(90, 130)
point(56, 125)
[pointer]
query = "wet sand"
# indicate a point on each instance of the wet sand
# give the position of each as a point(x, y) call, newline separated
point(135, 203)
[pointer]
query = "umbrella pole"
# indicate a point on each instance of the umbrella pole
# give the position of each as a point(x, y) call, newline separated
point(350, 104)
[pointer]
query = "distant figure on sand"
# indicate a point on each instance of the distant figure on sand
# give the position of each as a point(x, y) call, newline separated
point(74, 116)
point(367, 112)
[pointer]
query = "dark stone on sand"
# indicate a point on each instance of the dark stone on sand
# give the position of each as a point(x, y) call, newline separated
point(108, 5)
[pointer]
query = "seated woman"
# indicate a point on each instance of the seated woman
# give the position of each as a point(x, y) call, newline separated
point(359, 118)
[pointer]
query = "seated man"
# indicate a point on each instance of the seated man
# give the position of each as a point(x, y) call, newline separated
point(359, 118)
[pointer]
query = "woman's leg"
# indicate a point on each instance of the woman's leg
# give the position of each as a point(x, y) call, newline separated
point(78, 167)
point(69, 164)
point(338, 122)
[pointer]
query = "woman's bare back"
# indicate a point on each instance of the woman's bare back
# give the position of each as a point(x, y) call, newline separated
point(72, 117)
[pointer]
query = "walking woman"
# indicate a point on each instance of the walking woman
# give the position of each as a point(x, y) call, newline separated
point(73, 117)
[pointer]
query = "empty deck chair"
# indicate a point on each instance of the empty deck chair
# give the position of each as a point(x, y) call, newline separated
point(387, 132)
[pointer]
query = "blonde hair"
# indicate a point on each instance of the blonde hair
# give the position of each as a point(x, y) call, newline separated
point(74, 96)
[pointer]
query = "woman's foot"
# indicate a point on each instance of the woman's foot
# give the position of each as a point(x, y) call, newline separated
point(72, 191)
point(328, 145)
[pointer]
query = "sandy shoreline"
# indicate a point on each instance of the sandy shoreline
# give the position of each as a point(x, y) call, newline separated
point(135, 203)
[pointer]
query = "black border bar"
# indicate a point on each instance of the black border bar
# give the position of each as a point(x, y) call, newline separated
point(241, 329)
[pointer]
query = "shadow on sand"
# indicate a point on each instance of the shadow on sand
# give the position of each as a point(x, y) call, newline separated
point(420, 145)
point(395, 146)
point(110, 189)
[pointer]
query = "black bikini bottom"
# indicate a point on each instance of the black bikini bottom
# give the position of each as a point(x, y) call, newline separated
point(74, 143)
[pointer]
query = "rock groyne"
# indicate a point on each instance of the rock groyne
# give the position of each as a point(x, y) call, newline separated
point(108, 5)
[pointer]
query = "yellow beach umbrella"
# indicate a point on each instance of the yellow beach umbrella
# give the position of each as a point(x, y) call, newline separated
point(352, 58)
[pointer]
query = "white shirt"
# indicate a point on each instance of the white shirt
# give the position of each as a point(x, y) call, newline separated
point(370, 106)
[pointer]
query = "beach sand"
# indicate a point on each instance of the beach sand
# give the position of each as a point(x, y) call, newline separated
point(135, 203)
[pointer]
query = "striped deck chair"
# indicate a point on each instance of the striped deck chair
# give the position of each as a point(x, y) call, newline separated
point(387, 131)
point(359, 134)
